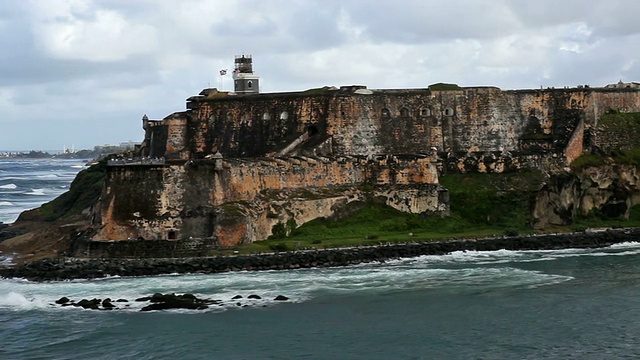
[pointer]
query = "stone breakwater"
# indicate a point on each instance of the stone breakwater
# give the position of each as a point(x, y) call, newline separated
point(75, 268)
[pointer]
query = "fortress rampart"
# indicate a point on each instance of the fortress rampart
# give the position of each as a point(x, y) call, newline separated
point(232, 167)
point(183, 199)
point(356, 121)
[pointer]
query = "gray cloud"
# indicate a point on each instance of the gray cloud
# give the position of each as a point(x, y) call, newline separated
point(85, 72)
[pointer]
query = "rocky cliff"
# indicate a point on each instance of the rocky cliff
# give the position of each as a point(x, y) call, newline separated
point(608, 190)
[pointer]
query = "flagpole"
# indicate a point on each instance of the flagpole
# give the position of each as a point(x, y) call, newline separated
point(223, 72)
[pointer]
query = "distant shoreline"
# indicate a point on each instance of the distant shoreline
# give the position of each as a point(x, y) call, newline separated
point(79, 268)
point(94, 153)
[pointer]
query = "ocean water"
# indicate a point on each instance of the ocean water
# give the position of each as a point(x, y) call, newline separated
point(28, 183)
point(569, 304)
point(564, 304)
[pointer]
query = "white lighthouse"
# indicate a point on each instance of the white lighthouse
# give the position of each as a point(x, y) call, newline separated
point(244, 80)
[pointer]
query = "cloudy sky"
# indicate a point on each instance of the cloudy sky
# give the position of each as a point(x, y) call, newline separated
point(83, 72)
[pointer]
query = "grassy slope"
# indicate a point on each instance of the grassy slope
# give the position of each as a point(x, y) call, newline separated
point(481, 205)
point(83, 193)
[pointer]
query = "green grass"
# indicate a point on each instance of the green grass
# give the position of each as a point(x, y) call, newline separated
point(596, 219)
point(444, 86)
point(316, 91)
point(83, 193)
point(499, 200)
point(621, 157)
point(481, 205)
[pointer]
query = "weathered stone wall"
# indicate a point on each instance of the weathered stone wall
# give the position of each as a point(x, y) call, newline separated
point(497, 162)
point(618, 131)
point(145, 248)
point(366, 122)
point(253, 125)
point(180, 200)
point(156, 140)
point(177, 135)
point(244, 179)
point(575, 145)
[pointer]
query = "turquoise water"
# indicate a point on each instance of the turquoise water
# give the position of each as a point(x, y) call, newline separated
point(568, 304)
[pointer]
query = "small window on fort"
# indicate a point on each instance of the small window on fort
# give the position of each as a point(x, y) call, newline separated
point(425, 112)
point(386, 113)
point(266, 116)
point(249, 84)
point(404, 112)
point(171, 235)
point(448, 112)
point(284, 115)
point(532, 112)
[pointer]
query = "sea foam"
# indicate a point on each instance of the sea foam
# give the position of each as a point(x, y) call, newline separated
point(37, 192)
point(18, 301)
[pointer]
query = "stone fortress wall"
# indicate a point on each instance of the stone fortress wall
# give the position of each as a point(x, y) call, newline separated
point(358, 121)
point(234, 165)
point(188, 199)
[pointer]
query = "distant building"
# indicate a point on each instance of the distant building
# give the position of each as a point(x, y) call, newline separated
point(623, 85)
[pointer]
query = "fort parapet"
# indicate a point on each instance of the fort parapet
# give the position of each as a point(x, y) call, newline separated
point(353, 121)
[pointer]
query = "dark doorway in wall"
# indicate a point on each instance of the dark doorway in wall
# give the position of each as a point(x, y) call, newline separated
point(312, 130)
point(171, 235)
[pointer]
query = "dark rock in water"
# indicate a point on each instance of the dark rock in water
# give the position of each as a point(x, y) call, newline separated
point(145, 298)
point(122, 300)
point(62, 300)
point(189, 296)
point(253, 296)
point(173, 301)
point(236, 297)
point(88, 304)
point(106, 304)
point(158, 297)
point(281, 298)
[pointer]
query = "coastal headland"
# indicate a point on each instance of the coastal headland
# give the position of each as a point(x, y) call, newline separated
point(237, 169)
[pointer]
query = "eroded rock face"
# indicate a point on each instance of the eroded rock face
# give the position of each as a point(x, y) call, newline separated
point(611, 190)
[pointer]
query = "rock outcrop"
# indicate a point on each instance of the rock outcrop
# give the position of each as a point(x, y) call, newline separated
point(610, 191)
